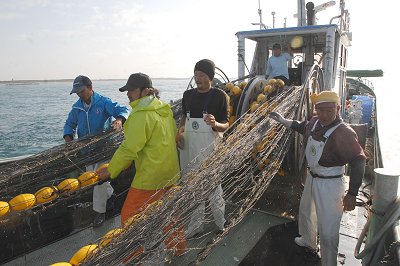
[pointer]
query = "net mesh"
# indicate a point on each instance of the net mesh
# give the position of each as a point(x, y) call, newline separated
point(244, 163)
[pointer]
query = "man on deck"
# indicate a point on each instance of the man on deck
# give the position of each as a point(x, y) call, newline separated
point(204, 118)
point(330, 145)
point(92, 114)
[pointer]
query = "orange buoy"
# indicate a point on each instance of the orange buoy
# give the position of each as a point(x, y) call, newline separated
point(4, 208)
point(68, 185)
point(88, 178)
point(82, 254)
point(109, 236)
point(22, 202)
point(46, 194)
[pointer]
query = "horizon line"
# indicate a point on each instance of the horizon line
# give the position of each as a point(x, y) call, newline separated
point(55, 80)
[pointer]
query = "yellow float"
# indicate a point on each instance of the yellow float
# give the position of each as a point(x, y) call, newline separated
point(254, 107)
point(271, 82)
point(22, 202)
point(68, 185)
point(242, 84)
point(229, 86)
point(279, 83)
point(236, 90)
point(109, 236)
point(82, 254)
point(88, 178)
point(261, 97)
point(61, 264)
point(4, 208)
point(104, 165)
point(46, 194)
point(268, 89)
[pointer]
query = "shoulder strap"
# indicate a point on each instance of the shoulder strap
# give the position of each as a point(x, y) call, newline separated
point(329, 132)
point(189, 100)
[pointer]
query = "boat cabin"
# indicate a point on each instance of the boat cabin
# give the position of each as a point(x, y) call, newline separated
point(322, 45)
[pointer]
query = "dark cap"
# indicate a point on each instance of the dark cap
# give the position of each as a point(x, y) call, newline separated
point(80, 82)
point(276, 46)
point(137, 80)
point(206, 66)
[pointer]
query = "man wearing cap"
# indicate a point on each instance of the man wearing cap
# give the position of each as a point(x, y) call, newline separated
point(91, 115)
point(149, 141)
point(330, 144)
point(204, 118)
point(277, 64)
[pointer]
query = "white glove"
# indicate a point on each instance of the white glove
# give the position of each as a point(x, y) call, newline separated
point(279, 118)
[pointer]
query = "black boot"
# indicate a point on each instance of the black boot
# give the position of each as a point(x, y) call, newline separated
point(98, 219)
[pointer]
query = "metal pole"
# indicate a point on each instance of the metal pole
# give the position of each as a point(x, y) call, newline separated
point(260, 14)
point(241, 55)
point(273, 19)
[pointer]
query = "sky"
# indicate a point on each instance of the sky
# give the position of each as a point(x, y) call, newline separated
point(54, 39)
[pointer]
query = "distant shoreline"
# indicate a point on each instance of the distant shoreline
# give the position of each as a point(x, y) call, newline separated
point(34, 81)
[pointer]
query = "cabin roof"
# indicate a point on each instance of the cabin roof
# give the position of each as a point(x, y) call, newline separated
point(255, 34)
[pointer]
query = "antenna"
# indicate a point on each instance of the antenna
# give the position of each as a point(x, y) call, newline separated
point(260, 13)
point(262, 25)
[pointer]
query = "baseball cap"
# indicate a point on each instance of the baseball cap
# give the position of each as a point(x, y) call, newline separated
point(137, 80)
point(80, 82)
point(325, 99)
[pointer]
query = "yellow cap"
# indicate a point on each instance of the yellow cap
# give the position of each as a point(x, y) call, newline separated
point(325, 97)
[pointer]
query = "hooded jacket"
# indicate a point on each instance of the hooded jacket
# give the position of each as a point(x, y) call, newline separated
point(94, 120)
point(149, 140)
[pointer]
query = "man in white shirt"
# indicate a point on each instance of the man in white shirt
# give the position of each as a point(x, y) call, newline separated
point(277, 64)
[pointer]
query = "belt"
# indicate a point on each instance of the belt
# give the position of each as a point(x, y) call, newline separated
point(327, 177)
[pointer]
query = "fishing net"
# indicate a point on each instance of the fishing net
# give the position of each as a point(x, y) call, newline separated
point(23, 231)
point(51, 166)
point(244, 163)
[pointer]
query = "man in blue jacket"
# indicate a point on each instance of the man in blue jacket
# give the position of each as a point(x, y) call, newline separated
point(90, 115)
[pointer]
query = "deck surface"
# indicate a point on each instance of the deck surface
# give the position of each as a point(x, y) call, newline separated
point(264, 237)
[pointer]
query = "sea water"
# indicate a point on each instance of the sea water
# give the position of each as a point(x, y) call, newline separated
point(33, 113)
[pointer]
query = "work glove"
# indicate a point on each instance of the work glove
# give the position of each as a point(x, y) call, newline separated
point(279, 118)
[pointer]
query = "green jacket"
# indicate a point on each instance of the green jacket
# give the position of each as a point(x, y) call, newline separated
point(149, 140)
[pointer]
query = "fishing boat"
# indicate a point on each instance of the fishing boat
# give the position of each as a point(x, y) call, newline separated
point(259, 164)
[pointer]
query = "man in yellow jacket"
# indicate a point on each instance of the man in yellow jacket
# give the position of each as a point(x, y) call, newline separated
point(149, 141)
